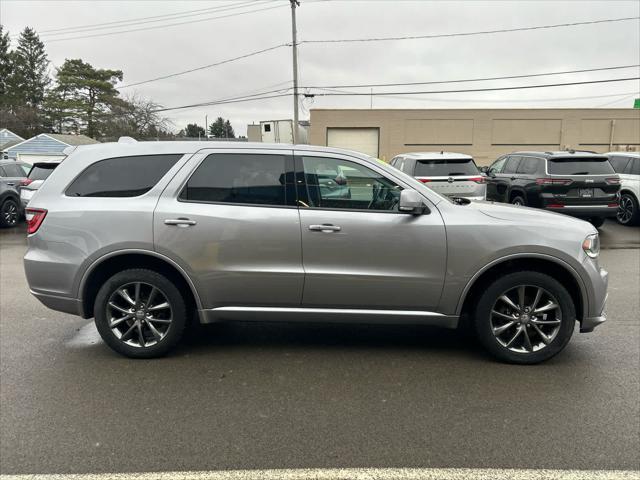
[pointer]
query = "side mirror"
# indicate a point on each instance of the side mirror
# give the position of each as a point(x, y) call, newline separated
point(411, 202)
point(484, 169)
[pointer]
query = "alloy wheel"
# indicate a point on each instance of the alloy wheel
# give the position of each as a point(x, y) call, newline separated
point(10, 213)
point(139, 314)
point(625, 210)
point(526, 319)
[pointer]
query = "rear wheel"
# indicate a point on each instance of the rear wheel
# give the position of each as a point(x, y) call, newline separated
point(518, 200)
point(628, 211)
point(597, 221)
point(140, 313)
point(525, 318)
point(9, 213)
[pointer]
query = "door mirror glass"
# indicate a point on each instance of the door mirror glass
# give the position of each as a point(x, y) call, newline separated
point(484, 169)
point(411, 202)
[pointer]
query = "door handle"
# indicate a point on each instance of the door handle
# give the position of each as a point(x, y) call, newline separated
point(180, 222)
point(325, 227)
point(11, 184)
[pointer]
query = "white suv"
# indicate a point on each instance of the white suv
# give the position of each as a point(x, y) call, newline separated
point(627, 165)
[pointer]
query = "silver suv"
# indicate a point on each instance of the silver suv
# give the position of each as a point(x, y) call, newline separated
point(451, 174)
point(144, 236)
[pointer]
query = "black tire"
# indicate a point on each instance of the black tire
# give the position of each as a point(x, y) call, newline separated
point(597, 221)
point(488, 299)
point(629, 211)
point(177, 310)
point(518, 200)
point(9, 213)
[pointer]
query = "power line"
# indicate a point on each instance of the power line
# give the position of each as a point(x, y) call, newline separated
point(466, 34)
point(494, 89)
point(222, 102)
point(525, 100)
point(509, 77)
point(166, 25)
point(142, 20)
point(222, 62)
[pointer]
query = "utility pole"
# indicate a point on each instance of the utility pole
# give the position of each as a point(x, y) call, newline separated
point(206, 125)
point(294, 47)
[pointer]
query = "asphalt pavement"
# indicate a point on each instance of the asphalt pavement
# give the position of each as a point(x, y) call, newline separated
point(261, 396)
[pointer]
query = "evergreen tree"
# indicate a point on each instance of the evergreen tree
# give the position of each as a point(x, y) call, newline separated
point(30, 77)
point(5, 66)
point(221, 128)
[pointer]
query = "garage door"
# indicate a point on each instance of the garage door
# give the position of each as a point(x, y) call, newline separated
point(363, 140)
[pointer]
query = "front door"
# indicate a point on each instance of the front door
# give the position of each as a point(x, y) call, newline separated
point(359, 251)
point(230, 219)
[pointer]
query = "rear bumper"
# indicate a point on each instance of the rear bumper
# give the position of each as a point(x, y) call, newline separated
point(60, 304)
point(585, 211)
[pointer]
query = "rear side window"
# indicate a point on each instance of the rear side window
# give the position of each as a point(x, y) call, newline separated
point(252, 179)
point(528, 165)
point(580, 166)
point(445, 168)
point(122, 176)
point(13, 171)
point(41, 171)
point(635, 166)
point(619, 163)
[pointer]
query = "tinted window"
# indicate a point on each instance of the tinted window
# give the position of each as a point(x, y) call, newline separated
point(528, 165)
point(580, 166)
point(239, 178)
point(445, 168)
point(40, 171)
point(635, 166)
point(496, 167)
point(25, 168)
point(618, 163)
point(511, 165)
point(122, 176)
point(13, 171)
point(334, 183)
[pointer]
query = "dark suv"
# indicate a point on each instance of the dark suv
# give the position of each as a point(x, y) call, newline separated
point(581, 184)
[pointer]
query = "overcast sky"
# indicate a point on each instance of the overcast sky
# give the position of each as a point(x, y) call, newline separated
point(142, 55)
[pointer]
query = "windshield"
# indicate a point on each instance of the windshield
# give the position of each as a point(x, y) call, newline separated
point(41, 171)
point(580, 166)
point(445, 168)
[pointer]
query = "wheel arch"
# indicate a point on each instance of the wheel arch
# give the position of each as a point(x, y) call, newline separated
point(517, 191)
point(111, 263)
point(547, 264)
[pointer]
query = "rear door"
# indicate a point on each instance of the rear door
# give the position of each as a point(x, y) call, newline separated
point(504, 179)
point(359, 251)
point(230, 219)
point(582, 180)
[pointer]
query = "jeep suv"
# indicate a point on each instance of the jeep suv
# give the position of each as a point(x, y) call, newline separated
point(580, 184)
point(627, 165)
point(144, 237)
point(11, 174)
point(451, 174)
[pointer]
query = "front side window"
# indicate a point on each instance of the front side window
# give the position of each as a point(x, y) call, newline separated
point(239, 178)
point(512, 165)
point(122, 176)
point(496, 167)
point(340, 184)
point(580, 166)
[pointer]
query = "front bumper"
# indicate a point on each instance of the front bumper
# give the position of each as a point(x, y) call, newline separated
point(595, 315)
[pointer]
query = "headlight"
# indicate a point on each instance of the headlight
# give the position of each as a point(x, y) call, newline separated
point(591, 245)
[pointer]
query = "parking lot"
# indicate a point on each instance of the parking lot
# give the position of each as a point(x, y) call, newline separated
point(293, 396)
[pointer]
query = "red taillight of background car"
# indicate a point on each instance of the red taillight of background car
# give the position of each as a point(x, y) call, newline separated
point(553, 181)
point(476, 179)
point(612, 180)
point(25, 182)
point(555, 205)
point(34, 216)
point(424, 180)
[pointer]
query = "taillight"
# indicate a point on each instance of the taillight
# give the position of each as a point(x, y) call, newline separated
point(613, 180)
point(25, 182)
point(477, 179)
point(34, 217)
point(553, 181)
point(555, 205)
point(424, 180)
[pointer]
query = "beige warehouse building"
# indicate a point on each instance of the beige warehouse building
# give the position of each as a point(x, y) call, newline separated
point(483, 133)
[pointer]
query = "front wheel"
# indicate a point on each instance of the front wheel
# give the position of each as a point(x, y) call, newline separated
point(628, 211)
point(518, 200)
point(525, 318)
point(140, 313)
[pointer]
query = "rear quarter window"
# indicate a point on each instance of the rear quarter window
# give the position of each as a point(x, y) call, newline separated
point(41, 172)
point(122, 176)
point(580, 166)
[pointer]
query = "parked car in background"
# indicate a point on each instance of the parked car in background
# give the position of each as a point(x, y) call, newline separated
point(627, 165)
point(580, 184)
point(140, 236)
point(451, 174)
point(11, 174)
point(38, 173)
